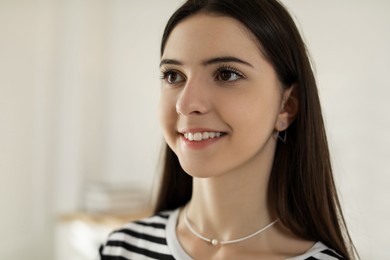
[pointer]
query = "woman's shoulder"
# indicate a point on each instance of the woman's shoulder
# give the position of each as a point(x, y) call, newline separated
point(319, 251)
point(139, 239)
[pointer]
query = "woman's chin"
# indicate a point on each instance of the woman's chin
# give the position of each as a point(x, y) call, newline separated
point(201, 173)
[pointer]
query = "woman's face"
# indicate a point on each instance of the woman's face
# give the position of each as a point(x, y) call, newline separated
point(221, 99)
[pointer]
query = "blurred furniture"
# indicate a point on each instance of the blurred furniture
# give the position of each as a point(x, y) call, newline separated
point(79, 235)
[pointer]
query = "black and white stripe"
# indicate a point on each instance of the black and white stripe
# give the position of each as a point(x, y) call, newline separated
point(319, 252)
point(326, 254)
point(144, 239)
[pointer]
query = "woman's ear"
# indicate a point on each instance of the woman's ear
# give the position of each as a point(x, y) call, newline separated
point(289, 108)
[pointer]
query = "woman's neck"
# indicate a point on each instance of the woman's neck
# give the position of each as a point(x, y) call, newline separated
point(230, 206)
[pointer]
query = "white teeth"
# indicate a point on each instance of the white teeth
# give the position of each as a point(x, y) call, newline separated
point(199, 136)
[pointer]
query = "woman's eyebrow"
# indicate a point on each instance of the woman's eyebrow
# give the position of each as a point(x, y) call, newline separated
point(170, 61)
point(211, 61)
point(224, 59)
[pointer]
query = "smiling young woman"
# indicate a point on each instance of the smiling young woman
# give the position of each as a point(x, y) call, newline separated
point(247, 172)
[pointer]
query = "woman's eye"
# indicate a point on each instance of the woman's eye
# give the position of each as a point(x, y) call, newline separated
point(172, 77)
point(228, 75)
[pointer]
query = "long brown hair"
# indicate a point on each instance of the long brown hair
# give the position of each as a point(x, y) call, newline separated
point(301, 185)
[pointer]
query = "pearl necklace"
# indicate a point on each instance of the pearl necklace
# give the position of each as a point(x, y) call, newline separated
point(215, 242)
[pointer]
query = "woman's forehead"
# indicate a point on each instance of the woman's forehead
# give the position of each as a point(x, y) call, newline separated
point(202, 36)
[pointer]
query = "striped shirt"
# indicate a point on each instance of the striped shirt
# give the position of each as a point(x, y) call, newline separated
point(155, 238)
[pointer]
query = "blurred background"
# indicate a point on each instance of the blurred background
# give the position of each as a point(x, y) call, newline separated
point(79, 88)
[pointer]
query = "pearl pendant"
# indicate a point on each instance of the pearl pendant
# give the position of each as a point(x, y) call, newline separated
point(214, 242)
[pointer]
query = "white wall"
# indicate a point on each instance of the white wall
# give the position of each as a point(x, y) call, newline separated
point(79, 86)
point(25, 120)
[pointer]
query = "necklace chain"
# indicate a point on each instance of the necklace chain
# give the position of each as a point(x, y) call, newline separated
point(215, 242)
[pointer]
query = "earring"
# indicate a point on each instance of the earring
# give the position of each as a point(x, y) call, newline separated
point(282, 136)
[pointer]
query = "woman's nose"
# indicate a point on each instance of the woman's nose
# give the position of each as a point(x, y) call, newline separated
point(194, 99)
